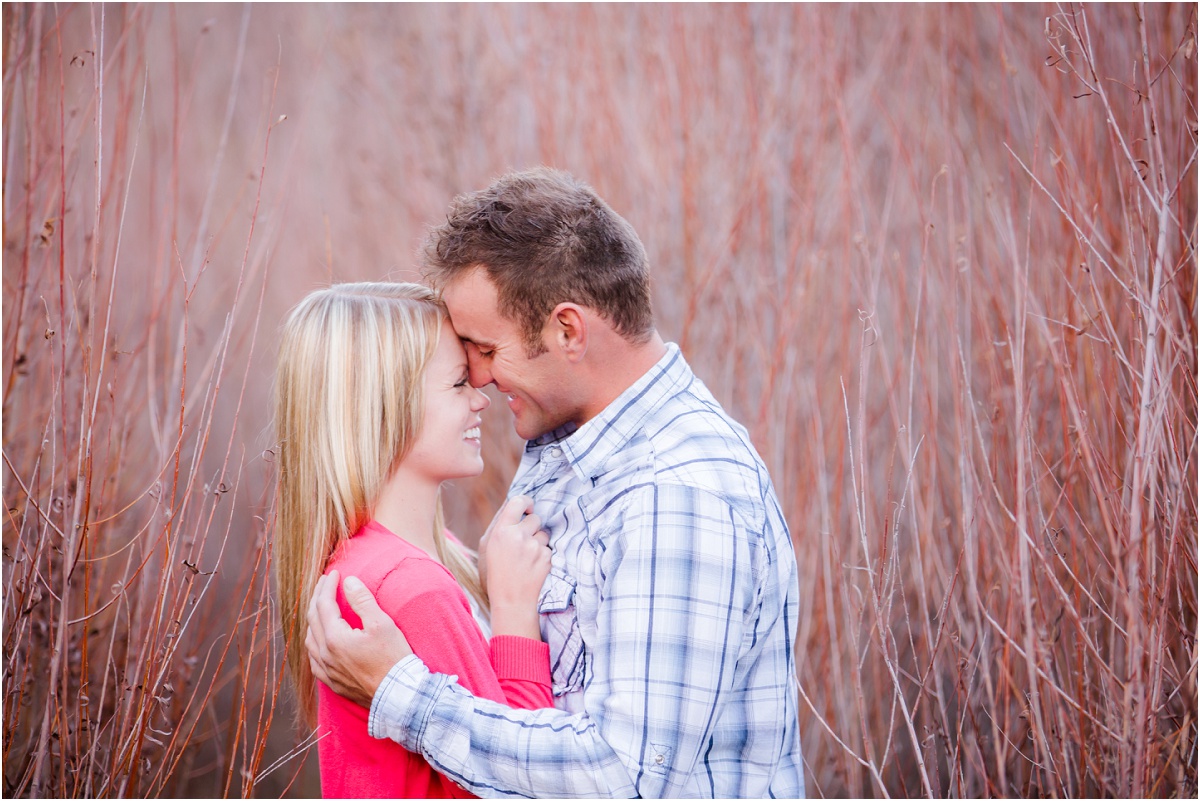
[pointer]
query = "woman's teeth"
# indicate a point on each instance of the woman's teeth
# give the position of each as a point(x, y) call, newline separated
point(471, 433)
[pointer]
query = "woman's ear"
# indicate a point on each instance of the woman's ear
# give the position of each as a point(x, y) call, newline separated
point(570, 328)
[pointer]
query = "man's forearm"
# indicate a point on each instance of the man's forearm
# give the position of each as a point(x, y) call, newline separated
point(491, 749)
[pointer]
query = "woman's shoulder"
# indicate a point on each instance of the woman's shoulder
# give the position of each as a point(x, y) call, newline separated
point(368, 551)
point(382, 560)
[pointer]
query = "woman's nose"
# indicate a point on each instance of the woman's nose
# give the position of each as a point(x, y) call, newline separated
point(481, 401)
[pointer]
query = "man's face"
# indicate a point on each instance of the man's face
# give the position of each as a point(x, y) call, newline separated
point(537, 393)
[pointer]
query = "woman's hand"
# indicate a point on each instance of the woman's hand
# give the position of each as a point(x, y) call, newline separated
point(514, 554)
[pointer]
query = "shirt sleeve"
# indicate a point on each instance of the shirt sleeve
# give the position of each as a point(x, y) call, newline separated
point(677, 585)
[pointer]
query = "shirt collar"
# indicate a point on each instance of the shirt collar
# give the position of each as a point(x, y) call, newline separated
point(558, 434)
point(589, 447)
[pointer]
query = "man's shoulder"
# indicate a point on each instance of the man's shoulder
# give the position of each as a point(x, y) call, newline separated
point(690, 443)
point(692, 429)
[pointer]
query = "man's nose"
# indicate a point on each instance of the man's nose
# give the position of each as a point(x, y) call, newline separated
point(477, 372)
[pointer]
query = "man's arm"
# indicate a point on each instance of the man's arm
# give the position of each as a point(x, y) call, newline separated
point(355, 663)
point(491, 749)
point(677, 589)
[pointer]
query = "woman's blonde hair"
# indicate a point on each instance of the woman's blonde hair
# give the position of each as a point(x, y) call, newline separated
point(349, 400)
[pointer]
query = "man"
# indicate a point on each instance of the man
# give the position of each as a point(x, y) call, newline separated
point(670, 609)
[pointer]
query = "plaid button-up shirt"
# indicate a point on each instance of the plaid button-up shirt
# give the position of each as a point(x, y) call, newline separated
point(670, 612)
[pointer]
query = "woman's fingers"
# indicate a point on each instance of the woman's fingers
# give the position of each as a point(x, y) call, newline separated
point(512, 511)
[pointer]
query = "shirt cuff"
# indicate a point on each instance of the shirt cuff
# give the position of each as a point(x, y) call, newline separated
point(404, 701)
point(520, 658)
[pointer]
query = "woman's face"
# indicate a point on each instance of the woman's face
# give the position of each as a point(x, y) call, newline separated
point(449, 443)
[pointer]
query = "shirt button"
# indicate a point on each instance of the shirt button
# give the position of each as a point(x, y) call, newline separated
point(659, 759)
point(556, 452)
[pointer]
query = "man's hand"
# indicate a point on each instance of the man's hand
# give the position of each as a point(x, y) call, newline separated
point(351, 662)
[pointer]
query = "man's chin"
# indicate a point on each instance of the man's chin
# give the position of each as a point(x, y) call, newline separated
point(529, 430)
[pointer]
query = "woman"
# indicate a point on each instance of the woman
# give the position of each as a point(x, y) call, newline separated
point(373, 412)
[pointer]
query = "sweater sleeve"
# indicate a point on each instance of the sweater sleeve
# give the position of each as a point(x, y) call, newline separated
point(429, 607)
point(523, 667)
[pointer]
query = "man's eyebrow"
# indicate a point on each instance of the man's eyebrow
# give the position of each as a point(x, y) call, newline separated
point(483, 344)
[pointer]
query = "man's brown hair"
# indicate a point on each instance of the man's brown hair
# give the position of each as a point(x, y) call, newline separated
point(543, 238)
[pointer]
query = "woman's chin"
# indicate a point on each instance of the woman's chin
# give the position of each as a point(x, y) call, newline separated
point(472, 472)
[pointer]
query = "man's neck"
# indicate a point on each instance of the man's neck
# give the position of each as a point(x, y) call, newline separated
point(620, 367)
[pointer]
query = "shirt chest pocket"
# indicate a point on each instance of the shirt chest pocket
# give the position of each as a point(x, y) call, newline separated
point(560, 626)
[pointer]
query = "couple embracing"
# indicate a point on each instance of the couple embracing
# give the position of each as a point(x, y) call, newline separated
point(628, 626)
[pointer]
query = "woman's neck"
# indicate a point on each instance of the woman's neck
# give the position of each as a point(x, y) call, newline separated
point(407, 509)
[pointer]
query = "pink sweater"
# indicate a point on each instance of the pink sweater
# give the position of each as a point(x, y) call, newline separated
point(431, 609)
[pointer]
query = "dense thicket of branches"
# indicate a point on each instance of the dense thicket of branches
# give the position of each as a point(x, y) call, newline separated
point(941, 261)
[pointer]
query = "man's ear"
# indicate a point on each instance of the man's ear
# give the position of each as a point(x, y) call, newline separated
point(569, 325)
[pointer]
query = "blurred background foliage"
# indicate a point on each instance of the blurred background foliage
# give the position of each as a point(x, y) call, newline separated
point(939, 259)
